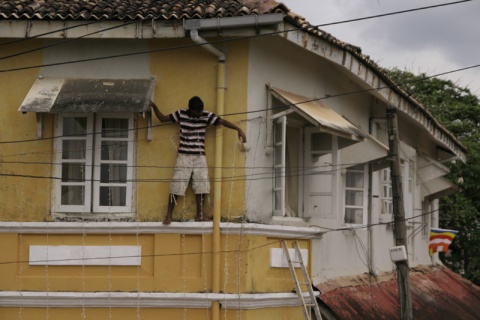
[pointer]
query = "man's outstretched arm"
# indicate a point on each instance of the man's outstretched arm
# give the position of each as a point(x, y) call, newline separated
point(228, 124)
point(160, 116)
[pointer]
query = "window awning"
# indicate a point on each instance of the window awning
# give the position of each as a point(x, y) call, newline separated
point(320, 115)
point(54, 95)
point(437, 188)
point(429, 169)
point(368, 151)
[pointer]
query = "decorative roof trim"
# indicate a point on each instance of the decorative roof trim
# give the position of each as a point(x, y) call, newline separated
point(382, 86)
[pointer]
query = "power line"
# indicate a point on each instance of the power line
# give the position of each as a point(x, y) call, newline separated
point(62, 42)
point(330, 96)
point(227, 40)
point(239, 250)
point(50, 32)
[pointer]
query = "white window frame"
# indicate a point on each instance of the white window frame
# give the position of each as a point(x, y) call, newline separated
point(364, 191)
point(309, 195)
point(306, 205)
point(58, 147)
point(97, 184)
point(386, 197)
point(408, 176)
point(92, 163)
point(280, 167)
point(282, 172)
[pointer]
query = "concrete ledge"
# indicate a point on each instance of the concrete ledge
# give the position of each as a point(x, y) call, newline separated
point(28, 299)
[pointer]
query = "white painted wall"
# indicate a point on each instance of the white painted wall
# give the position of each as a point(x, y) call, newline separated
point(281, 64)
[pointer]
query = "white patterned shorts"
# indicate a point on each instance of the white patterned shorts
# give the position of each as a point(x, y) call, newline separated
point(190, 166)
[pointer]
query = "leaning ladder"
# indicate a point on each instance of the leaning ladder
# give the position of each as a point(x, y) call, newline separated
point(298, 259)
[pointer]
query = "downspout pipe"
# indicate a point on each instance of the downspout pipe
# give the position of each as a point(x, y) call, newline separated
point(207, 46)
point(217, 184)
point(193, 26)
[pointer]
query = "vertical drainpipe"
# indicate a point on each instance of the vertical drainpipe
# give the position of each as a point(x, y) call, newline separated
point(217, 176)
point(370, 222)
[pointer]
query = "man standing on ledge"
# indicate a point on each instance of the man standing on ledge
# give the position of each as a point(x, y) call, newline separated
point(191, 160)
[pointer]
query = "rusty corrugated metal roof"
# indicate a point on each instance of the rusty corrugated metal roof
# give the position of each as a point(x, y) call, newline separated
point(437, 293)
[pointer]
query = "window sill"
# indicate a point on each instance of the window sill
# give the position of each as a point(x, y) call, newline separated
point(289, 221)
point(95, 217)
point(386, 217)
point(350, 229)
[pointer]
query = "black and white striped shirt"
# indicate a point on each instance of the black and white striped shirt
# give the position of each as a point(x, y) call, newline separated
point(192, 130)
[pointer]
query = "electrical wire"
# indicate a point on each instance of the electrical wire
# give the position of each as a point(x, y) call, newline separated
point(63, 42)
point(226, 40)
point(346, 21)
point(330, 96)
point(275, 242)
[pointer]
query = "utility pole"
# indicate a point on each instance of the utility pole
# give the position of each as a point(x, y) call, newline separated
point(400, 229)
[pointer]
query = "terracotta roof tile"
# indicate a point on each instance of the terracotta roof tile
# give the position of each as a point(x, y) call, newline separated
point(134, 9)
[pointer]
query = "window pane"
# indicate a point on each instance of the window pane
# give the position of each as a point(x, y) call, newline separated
point(354, 179)
point(278, 177)
point(73, 195)
point(321, 141)
point(278, 200)
point(321, 162)
point(354, 216)
point(278, 155)
point(278, 132)
point(387, 206)
point(73, 172)
point(354, 198)
point(74, 126)
point(74, 149)
point(114, 150)
point(115, 173)
point(114, 128)
point(113, 196)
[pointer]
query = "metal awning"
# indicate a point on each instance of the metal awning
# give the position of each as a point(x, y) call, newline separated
point(437, 188)
point(320, 115)
point(53, 95)
point(368, 151)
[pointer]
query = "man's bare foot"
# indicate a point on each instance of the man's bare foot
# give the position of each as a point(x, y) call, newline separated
point(167, 220)
point(201, 217)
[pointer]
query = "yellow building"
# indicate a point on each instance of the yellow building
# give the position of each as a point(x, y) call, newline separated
point(85, 167)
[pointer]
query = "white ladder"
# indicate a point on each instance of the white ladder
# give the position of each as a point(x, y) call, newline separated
point(298, 259)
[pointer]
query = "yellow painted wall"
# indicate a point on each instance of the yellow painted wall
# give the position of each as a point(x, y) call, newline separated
point(25, 182)
point(170, 263)
point(182, 74)
point(147, 314)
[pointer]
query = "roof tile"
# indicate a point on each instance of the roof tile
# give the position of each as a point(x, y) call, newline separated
point(133, 9)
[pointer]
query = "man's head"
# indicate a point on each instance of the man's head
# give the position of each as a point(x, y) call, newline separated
point(195, 106)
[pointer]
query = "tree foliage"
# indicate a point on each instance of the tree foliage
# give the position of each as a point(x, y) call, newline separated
point(459, 111)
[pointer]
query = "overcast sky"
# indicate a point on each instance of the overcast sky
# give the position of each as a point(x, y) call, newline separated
point(432, 41)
